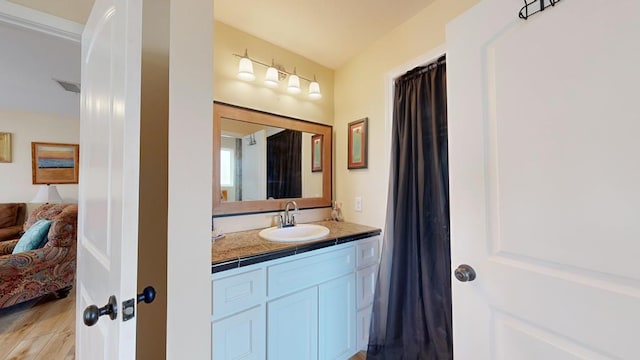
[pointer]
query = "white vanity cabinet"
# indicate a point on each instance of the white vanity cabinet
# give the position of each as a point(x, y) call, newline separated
point(304, 306)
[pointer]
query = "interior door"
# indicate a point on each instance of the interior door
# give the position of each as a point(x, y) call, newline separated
point(109, 168)
point(544, 176)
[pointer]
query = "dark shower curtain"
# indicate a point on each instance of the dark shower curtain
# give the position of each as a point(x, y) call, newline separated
point(284, 165)
point(411, 316)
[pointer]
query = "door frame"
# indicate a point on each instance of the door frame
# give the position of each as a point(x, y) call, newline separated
point(190, 182)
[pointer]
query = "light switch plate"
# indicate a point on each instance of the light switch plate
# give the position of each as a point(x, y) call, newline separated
point(358, 204)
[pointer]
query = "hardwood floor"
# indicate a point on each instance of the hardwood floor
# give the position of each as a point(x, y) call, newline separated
point(39, 329)
point(44, 329)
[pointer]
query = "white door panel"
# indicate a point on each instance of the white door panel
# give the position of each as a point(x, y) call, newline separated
point(109, 169)
point(543, 180)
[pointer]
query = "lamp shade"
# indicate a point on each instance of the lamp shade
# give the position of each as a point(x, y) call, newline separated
point(271, 77)
point(245, 69)
point(294, 84)
point(314, 90)
point(47, 194)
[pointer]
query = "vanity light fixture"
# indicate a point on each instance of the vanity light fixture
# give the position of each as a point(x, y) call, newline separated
point(276, 73)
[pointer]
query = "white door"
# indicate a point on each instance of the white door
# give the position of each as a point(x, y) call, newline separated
point(109, 167)
point(545, 180)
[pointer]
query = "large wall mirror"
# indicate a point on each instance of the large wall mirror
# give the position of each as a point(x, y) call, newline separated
point(263, 160)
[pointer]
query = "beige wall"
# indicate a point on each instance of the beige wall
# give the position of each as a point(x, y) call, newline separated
point(228, 88)
point(25, 127)
point(360, 92)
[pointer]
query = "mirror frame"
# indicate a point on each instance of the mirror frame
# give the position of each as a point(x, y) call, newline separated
point(233, 112)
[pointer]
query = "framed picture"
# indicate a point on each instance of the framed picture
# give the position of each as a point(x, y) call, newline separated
point(358, 144)
point(316, 153)
point(54, 163)
point(5, 147)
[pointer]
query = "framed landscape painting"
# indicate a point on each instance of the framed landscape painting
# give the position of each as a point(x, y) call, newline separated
point(53, 163)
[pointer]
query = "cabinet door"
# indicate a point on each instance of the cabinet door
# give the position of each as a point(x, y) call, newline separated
point(240, 337)
point(337, 317)
point(292, 330)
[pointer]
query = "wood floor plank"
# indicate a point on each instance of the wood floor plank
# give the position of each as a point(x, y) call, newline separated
point(59, 346)
point(359, 356)
point(40, 329)
point(29, 349)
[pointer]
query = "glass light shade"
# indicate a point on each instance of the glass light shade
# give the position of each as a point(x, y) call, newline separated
point(47, 194)
point(314, 90)
point(245, 70)
point(294, 84)
point(271, 78)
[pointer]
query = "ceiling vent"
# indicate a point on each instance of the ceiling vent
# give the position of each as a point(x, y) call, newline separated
point(69, 86)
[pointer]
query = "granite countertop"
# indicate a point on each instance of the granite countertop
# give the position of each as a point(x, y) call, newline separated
point(246, 247)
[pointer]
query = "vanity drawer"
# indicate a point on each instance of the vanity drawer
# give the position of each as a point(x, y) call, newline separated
point(237, 292)
point(299, 274)
point(368, 252)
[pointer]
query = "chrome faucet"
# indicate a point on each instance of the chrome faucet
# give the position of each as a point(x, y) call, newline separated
point(288, 220)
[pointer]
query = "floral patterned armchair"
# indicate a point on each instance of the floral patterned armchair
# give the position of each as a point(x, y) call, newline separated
point(50, 269)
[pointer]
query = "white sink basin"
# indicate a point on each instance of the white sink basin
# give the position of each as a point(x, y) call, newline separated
point(300, 232)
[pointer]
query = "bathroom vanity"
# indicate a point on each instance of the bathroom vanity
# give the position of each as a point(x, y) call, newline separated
point(296, 300)
point(284, 300)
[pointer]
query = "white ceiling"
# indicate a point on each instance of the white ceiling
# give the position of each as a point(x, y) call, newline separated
point(329, 32)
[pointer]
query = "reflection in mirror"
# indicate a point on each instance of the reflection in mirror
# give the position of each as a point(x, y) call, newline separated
point(265, 158)
point(260, 162)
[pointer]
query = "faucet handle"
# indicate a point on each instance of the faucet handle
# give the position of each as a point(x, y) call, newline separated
point(293, 219)
point(278, 220)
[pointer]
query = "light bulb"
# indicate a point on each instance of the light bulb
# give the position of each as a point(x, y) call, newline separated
point(271, 78)
point(245, 68)
point(294, 84)
point(314, 90)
